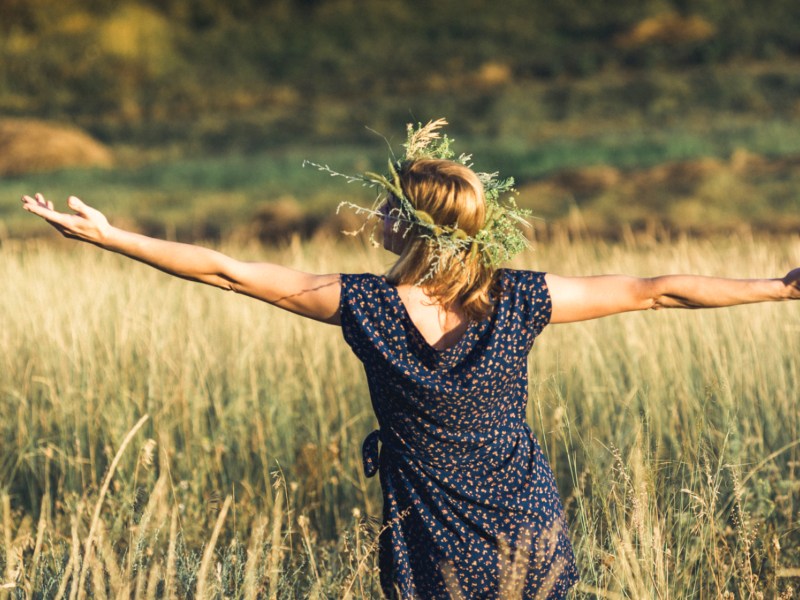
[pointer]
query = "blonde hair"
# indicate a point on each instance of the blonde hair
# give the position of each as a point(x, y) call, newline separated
point(452, 195)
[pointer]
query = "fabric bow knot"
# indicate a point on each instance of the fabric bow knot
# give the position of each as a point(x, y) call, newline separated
point(370, 455)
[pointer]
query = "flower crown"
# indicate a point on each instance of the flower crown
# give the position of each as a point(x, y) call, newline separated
point(497, 241)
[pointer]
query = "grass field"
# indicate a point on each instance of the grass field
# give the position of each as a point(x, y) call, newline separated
point(675, 437)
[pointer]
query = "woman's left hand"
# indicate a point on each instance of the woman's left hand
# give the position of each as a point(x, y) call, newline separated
point(87, 224)
point(792, 283)
point(313, 296)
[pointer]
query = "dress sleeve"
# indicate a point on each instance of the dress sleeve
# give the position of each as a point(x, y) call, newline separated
point(539, 307)
point(356, 302)
point(530, 301)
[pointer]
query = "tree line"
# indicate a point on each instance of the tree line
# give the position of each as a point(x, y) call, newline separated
point(102, 61)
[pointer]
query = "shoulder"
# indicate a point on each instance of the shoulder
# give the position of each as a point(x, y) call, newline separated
point(361, 292)
point(525, 293)
point(520, 281)
point(360, 283)
point(364, 309)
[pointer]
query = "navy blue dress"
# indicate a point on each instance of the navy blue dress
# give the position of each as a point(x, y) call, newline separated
point(467, 492)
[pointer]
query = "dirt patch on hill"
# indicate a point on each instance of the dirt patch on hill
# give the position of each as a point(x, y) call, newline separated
point(703, 196)
point(700, 196)
point(31, 146)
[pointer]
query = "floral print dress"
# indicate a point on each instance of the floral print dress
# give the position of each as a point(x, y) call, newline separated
point(470, 505)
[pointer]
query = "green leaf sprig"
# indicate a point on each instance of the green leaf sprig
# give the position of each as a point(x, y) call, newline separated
point(501, 236)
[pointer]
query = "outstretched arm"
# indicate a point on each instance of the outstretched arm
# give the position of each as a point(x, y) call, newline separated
point(312, 296)
point(581, 298)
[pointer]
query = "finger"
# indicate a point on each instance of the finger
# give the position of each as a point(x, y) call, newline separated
point(77, 205)
point(33, 206)
point(40, 199)
point(51, 216)
point(82, 209)
point(37, 200)
point(29, 200)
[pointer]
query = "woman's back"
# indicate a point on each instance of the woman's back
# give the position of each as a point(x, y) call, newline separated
point(460, 469)
point(440, 327)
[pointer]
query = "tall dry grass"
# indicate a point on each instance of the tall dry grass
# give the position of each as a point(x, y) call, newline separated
point(674, 436)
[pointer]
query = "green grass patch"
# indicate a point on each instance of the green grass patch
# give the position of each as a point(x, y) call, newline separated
point(214, 196)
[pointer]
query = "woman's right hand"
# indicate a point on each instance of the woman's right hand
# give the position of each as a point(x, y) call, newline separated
point(87, 224)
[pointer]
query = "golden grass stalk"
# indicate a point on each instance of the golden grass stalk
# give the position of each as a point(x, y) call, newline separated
point(169, 583)
point(363, 561)
point(274, 565)
point(303, 522)
point(109, 559)
point(628, 567)
point(208, 555)
point(545, 549)
point(73, 566)
point(513, 565)
point(315, 593)
point(5, 501)
point(153, 581)
point(153, 510)
point(154, 506)
point(451, 581)
point(41, 527)
point(76, 589)
point(103, 490)
point(98, 578)
point(62, 588)
point(552, 577)
point(139, 585)
point(252, 585)
point(595, 591)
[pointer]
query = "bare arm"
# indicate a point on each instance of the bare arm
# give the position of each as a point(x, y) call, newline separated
point(306, 294)
point(581, 298)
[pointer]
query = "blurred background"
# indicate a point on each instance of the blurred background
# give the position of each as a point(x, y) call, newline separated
point(190, 119)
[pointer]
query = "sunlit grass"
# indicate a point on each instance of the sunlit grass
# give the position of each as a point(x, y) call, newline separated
point(674, 436)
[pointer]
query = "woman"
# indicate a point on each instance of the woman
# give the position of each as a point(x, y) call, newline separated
point(444, 338)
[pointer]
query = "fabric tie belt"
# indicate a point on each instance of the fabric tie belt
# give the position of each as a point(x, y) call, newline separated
point(370, 455)
point(500, 442)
